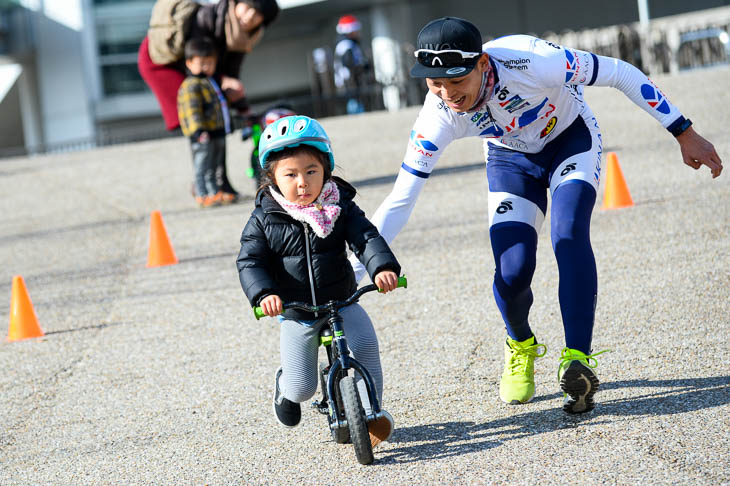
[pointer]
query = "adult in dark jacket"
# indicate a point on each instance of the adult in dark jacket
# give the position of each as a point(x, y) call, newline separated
point(294, 248)
point(233, 39)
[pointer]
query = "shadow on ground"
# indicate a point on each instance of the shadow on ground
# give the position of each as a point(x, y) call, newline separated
point(441, 440)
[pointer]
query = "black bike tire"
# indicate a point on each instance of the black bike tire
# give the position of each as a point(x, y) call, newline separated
point(339, 435)
point(356, 421)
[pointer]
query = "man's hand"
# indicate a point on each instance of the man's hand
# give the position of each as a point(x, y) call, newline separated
point(386, 281)
point(697, 151)
point(272, 305)
point(233, 88)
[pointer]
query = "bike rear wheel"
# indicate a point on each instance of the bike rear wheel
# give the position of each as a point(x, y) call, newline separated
point(356, 420)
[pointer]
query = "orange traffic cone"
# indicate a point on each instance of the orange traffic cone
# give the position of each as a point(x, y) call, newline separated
point(160, 251)
point(23, 321)
point(617, 193)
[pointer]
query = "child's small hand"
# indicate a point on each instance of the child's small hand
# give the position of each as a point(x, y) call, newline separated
point(386, 281)
point(272, 305)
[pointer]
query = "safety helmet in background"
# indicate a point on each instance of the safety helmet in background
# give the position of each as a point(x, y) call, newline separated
point(276, 114)
point(292, 131)
point(348, 24)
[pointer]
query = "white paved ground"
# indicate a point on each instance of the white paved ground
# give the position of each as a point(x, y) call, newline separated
point(162, 376)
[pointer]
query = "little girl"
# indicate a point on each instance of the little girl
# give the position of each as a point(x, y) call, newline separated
point(293, 248)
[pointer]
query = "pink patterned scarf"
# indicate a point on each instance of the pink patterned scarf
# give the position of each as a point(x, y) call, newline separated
point(319, 215)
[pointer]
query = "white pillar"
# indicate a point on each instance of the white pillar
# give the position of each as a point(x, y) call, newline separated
point(390, 28)
point(62, 79)
point(647, 62)
point(29, 110)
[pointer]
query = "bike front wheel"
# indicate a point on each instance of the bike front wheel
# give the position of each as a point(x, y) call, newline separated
point(339, 435)
point(356, 420)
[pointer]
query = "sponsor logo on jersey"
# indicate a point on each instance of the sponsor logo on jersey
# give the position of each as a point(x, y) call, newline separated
point(549, 127)
point(552, 45)
point(419, 144)
point(519, 64)
point(513, 104)
point(568, 168)
point(505, 206)
point(655, 98)
point(530, 116)
point(481, 119)
point(515, 143)
point(573, 67)
point(597, 172)
point(419, 140)
point(570, 66)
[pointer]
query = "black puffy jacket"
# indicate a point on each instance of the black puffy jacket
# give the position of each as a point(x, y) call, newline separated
point(278, 253)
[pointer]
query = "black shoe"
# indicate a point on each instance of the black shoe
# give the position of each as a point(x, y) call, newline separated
point(579, 383)
point(287, 413)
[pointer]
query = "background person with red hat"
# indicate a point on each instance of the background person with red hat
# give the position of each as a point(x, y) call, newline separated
point(350, 64)
point(524, 97)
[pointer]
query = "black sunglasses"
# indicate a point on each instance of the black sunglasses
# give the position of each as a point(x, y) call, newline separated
point(445, 58)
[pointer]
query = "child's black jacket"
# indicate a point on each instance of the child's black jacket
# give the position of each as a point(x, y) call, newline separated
point(273, 256)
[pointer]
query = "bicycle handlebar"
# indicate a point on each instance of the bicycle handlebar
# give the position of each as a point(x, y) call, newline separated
point(258, 312)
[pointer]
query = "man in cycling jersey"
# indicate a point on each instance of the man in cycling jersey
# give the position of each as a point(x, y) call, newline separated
point(524, 97)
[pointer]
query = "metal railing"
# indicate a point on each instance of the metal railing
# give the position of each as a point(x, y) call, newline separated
point(670, 44)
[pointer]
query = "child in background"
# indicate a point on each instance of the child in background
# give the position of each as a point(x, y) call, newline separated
point(294, 248)
point(203, 113)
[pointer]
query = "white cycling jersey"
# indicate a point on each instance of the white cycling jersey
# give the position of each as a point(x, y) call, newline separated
point(538, 93)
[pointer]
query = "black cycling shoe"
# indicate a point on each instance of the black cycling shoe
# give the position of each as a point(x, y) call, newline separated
point(287, 413)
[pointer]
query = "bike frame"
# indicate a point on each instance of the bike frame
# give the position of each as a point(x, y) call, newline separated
point(341, 361)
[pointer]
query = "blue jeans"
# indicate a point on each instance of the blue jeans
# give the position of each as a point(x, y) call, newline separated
point(207, 157)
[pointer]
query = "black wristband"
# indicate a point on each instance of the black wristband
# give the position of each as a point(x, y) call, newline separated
point(682, 127)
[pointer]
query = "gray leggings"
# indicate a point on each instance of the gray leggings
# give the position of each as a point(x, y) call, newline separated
point(299, 344)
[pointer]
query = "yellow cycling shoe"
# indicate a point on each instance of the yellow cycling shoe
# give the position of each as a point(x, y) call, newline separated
point(518, 379)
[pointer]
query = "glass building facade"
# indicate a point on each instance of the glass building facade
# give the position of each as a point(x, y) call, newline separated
point(120, 26)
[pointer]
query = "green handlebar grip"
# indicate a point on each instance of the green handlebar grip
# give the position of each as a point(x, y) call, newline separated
point(258, 313)
point(402, 282)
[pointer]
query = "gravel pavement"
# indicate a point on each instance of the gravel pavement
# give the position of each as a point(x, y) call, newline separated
point(162, 375)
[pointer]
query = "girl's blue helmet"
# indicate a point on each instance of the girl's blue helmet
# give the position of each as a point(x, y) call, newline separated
point(292, 131)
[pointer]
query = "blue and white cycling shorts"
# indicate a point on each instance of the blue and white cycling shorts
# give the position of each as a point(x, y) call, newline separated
point(518, 181)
